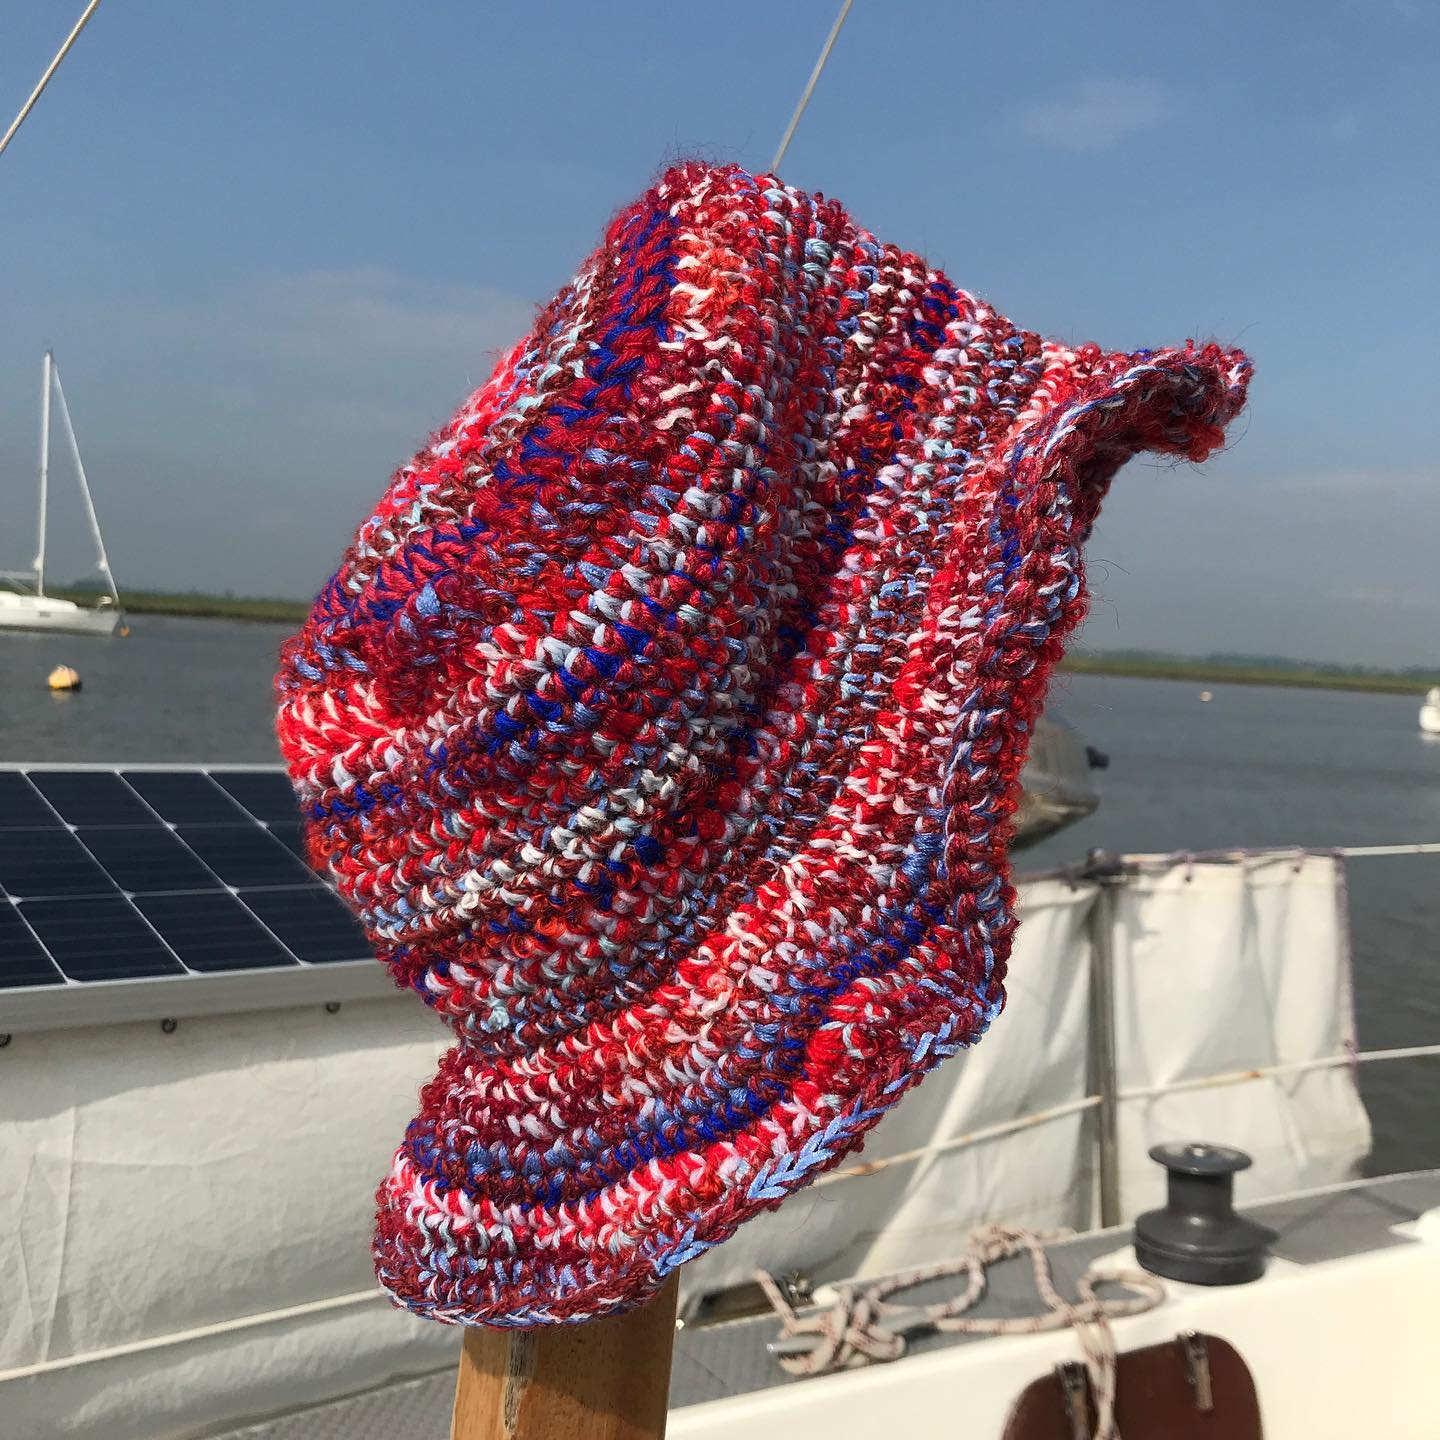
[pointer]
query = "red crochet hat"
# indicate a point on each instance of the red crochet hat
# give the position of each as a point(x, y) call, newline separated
point(664, 722)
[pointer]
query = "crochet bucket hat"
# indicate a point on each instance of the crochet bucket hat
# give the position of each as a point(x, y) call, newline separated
point(664, 722)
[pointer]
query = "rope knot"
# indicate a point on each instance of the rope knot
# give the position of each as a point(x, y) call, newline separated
point(860, 1326)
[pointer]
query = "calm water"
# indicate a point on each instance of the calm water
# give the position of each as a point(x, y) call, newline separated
point(183, 690)
point(1255, 767)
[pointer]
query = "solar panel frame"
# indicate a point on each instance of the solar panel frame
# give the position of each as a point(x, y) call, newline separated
point(192, 989)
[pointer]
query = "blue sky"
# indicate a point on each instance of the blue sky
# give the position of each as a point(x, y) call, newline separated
point(274, 244)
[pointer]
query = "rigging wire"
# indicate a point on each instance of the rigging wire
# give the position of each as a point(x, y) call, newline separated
point(790, 129)
point(39, 90)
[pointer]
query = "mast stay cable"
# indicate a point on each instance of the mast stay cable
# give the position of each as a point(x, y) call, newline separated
point(54, 65)
point(102, 559)
point(815, 74)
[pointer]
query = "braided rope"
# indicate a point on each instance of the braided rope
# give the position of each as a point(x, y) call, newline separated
point(853, 1331)
point(663, 726)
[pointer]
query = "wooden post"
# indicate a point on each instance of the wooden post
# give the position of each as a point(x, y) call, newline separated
point(605, 1380)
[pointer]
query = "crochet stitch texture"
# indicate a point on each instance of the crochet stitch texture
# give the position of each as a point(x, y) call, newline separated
point(664, 722)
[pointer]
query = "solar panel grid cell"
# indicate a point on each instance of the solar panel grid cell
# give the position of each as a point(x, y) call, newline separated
point(185, 797)
point(91, 797)
point(21, 805)
point(266, 794)
point(36, 863)
point(100, 938)
point(23, 960)
point(292, 838)
point(148, 862)
point(314, 923)
point(245, 856)
point(212, 932)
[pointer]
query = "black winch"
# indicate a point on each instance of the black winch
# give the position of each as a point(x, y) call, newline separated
point(1198, 1238)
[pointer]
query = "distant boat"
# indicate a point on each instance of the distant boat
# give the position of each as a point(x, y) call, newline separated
point(1430, 713)
point(1055, 785)
point(24, 605)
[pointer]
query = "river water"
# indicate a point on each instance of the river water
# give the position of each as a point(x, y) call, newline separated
point(1255, 767)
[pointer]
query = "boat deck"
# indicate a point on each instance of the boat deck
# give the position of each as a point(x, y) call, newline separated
point(722, 1361)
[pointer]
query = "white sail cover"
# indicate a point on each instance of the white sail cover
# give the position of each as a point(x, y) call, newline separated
point(180, 1209)
point(1219, 966)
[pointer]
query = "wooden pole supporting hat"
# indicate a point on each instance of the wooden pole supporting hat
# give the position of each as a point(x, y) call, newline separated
point(605, 1379)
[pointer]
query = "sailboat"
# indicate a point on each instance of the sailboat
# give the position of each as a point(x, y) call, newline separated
point(24, 605)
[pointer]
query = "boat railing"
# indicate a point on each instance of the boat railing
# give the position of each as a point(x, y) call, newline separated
point(1108, 1095)
point(1123, 1093)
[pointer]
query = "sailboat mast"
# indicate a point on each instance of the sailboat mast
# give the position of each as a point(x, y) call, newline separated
point(100, 555)
point(44, 471)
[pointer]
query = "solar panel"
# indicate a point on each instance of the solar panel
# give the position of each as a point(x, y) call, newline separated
point(137, 891)
point(147, 862)
point(292, 838)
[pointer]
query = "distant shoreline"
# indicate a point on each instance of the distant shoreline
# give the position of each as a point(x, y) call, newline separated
point(1259, 672)
point(200, 607)
point(1216, 670)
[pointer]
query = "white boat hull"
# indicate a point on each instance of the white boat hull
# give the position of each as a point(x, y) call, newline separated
point(41, 612)
point(1338, 1335)
point(1430, 714)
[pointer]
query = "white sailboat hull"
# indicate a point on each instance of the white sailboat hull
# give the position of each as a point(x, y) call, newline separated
point(1430, 714)
point(43, 612)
